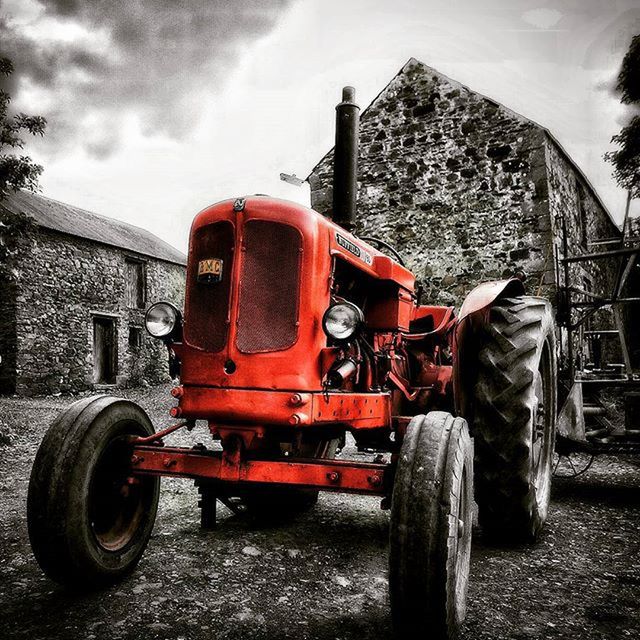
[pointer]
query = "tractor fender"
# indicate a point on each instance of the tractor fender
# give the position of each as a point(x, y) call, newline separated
point(473, 314)
point(485, 294)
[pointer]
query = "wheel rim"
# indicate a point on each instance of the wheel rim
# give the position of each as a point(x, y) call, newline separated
point(572, 464)
point(117, 500)
point(542, 425)
point(464, 524)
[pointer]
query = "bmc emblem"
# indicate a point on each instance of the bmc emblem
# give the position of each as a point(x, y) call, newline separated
point(210, 270)
point(353, 248)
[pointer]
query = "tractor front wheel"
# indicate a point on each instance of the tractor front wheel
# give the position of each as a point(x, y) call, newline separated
point(89, 520)
point(431, 524)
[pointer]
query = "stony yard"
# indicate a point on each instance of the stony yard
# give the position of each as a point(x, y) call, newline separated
point(324, 574)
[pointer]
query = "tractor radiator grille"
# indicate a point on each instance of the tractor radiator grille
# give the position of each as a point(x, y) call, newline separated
point(269, 287)
point(207, 303)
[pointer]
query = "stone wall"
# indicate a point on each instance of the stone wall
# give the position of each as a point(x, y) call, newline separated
point(572, 205)
point(13, 229)
point(62, 282)
point(456, 182)
point(8, 336)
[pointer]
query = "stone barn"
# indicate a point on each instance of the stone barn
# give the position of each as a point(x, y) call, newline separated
point(73, 291)
point(468, 190)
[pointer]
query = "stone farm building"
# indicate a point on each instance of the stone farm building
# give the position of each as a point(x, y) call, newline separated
point(470, 191)
point(73, 294)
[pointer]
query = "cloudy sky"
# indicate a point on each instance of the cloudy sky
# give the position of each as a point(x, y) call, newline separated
point(157, 108)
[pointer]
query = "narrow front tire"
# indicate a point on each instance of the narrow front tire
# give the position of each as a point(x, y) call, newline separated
point(431, 525)
point(89, 519)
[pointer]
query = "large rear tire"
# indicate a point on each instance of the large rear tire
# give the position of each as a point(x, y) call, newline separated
point(89, 520)
point(431, 525)
point(514, 419)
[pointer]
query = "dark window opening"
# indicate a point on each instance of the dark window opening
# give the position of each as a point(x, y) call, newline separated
point(105, 350)
point(136, 285)
point(135, 337)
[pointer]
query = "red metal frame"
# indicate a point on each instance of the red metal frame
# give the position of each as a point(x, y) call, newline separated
point(259, 407)
point(328, 475)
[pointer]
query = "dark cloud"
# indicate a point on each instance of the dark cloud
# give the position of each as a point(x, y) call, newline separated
point(64, 7)
point(150, 57)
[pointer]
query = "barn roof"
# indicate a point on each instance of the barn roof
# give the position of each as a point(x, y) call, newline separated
point(61, 217)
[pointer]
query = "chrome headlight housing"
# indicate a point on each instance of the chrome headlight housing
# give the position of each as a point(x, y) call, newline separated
point(163, 320)
point(342, 321)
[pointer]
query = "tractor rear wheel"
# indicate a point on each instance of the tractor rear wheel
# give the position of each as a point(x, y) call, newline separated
point(89, 520)
point(431, 524)
point(514, 419)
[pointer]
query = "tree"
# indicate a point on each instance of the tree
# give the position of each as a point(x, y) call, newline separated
point(626, 160)
point(16, 171)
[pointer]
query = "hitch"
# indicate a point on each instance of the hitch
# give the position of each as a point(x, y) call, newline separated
point(157, 437)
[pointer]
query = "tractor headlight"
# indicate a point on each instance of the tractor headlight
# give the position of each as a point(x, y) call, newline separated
point(162, 319)
point(341, 321)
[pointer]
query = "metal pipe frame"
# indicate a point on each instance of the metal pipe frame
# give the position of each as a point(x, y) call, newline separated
point(600, 255)
point(601, 332)
point(604, 302)
point(327, 475)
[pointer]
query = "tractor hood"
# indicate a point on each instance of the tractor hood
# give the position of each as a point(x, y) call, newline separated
point(259, 280)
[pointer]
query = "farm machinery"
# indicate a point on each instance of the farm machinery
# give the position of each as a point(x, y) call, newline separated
point(295, 332)
point(593, 321)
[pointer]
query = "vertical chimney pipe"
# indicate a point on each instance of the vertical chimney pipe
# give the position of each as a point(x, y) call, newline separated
point(345, 160)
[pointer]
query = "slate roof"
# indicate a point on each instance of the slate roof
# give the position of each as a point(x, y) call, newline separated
point(61, 217)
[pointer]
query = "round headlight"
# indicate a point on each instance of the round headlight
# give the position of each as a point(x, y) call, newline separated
point(342, 320)
point(161, 319)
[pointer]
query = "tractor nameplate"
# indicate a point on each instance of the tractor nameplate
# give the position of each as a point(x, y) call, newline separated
point(354, 249)
point(210, 270)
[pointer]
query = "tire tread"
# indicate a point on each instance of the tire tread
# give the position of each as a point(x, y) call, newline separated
point(503, 399)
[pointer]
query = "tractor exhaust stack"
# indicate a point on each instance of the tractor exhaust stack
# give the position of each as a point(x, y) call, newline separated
point(345, 160)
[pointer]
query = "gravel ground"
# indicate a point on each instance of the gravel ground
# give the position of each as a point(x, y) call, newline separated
point(324, 574)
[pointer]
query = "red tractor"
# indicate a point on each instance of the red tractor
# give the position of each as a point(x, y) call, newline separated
point(296, 331)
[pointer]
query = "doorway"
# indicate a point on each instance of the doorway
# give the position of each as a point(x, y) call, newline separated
point(105, 362)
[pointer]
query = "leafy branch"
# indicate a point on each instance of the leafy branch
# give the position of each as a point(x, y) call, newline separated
point(16, 171)
point(626, 159)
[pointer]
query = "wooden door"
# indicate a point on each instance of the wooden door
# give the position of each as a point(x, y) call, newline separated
point(104, 351)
